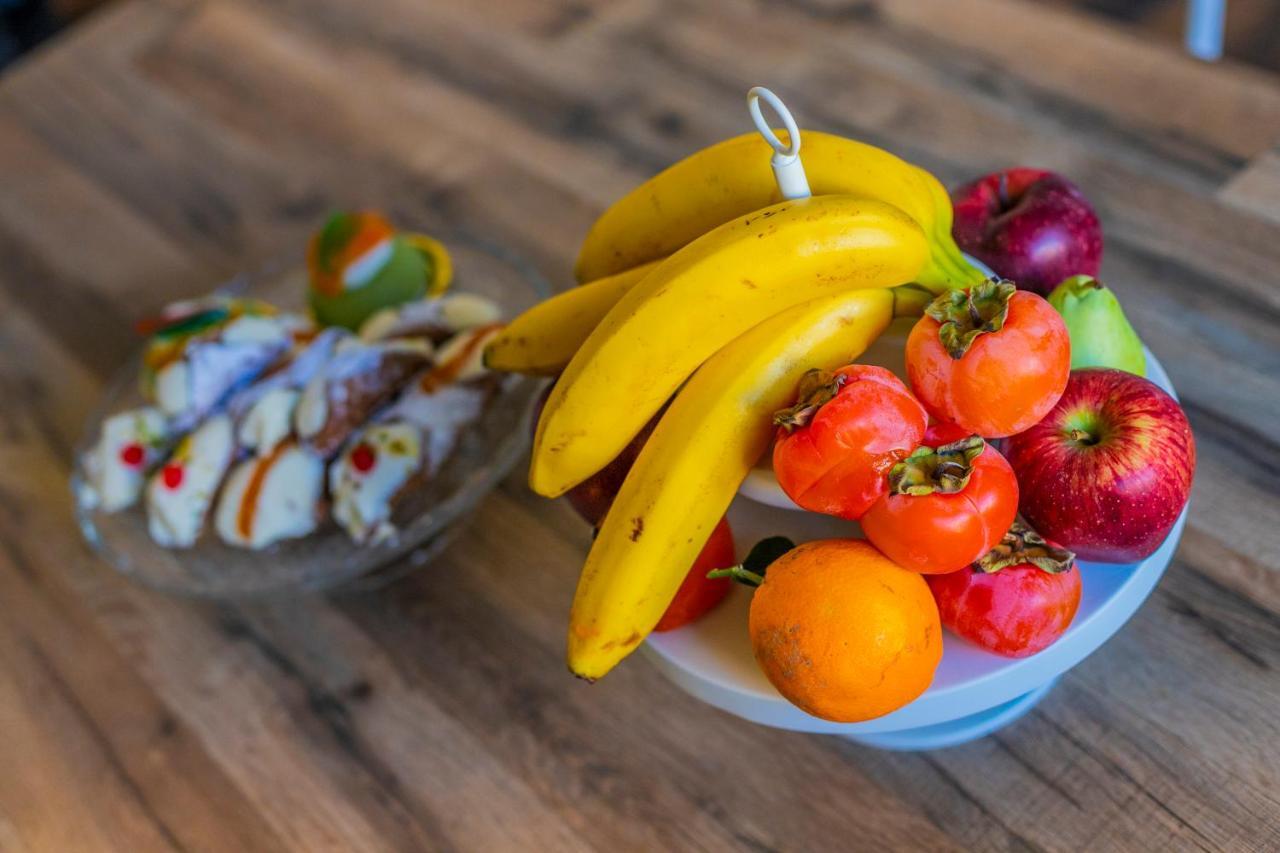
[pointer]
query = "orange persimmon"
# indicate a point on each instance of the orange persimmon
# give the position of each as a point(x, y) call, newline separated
point(945, 507)
point(992, 359)
point(846, 430)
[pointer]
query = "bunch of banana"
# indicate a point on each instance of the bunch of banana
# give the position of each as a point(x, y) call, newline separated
point(696, 458)
point(709, 188)
point(712, 294)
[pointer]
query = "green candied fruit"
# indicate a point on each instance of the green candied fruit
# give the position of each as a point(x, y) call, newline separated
point(404, 279)
point(192, 324)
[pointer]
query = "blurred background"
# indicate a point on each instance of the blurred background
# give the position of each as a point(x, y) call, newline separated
point(1249, 30)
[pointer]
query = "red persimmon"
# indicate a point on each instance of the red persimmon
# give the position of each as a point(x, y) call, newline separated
point(992, 359)
point(699, 594)
point(846, 430)
point(944, 507)
point(1016, 601)
point(941, 432)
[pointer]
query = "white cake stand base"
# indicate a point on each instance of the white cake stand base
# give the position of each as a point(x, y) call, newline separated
point(956, 732)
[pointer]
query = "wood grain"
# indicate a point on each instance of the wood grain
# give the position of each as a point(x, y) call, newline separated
point(166, 143)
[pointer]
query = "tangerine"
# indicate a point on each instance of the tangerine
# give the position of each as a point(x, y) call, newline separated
point(843, 632)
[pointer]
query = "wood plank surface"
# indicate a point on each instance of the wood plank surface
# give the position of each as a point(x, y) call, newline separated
point(164, 144)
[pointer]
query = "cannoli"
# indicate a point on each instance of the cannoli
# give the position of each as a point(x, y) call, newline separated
point(271, 498)
point(194, 361)
point(129, 446)
point(411, 439)
point(359, 264)
point(180, 493)
point(359, 379)
point(369, 476)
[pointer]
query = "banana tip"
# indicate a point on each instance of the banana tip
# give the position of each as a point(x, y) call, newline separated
point(541, 484)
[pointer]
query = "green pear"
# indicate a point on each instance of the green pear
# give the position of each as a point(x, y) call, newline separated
point(1100, 333)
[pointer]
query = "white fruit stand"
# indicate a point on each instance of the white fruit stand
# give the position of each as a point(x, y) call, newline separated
point(974, 692)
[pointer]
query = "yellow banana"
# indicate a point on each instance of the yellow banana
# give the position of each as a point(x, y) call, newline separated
point(698, 300)
point(543, 339)
point(946, 254)
point(686, 475)
point(733, 178)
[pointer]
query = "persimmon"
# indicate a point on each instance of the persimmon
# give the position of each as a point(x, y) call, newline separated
point(941, 432)
point(1017, 600)
point(699, 594)
point(945, 507)
point(846, 430)
point(992, 359)
point(842, 632)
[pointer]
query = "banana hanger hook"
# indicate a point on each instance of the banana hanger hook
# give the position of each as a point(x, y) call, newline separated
point(787, 168)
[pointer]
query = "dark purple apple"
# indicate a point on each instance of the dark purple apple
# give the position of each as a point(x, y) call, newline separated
point(592, 497)
point(1109, 469)
point(1033, 227)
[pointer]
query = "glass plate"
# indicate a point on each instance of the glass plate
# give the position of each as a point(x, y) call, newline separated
point(485, 454)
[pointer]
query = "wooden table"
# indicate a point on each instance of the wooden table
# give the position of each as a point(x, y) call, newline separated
point(167, 143)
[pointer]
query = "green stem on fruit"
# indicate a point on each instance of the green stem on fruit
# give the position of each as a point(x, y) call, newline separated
point(1080, 285)
point(816, 388)
point(739, 574)
point(750, 572)
point(1021, 545)
point(963, 315)
point(945, 469)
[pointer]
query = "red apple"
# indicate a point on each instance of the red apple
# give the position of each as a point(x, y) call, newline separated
point(1033, 227)
point(1109, 469)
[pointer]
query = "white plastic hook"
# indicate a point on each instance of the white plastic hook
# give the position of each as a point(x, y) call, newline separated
point(787, 168)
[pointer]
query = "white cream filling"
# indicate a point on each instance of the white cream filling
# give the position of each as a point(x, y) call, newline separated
point(454, 312)
point(269, 421)
point(365, 268)
point(462, 311)
point(286, 505)
point(176, 515)
point(112, 484)
point(257, 329)
point(172, 388)
point(312, 409)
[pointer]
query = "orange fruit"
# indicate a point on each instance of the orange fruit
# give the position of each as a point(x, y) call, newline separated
point(843, 632)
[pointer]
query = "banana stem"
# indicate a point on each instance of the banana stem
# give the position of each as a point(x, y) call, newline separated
point(910, 300)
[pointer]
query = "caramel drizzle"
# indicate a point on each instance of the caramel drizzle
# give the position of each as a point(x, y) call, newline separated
point(249, 503)
point(443, 374)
